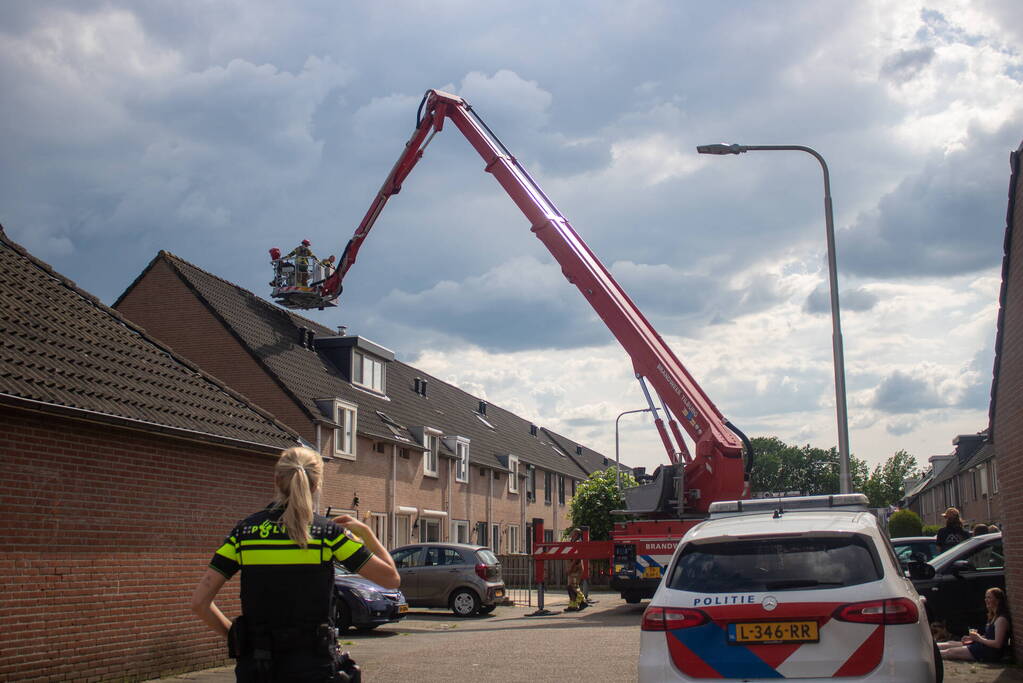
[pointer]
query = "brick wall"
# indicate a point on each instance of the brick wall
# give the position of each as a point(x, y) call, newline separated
point(183, 323)
point(107, 533)
point(1008, 418)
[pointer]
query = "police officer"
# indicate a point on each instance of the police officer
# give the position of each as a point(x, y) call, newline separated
point(286, 553)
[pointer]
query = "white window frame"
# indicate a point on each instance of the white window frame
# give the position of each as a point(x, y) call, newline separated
point(360, 362)
point(378, 523)
point(513, 476)
point(994, 476)
point(495, 540)
point(402, 520)
point(513, 539)
point(462, 461)
point(347, 415)
point(982, 475)
point(456, 525)
point(431, 456)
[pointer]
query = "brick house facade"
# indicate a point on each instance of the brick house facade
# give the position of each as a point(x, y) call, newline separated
point(1006, 425)
point(966, 479)
point(427, 460)
point(123, 468)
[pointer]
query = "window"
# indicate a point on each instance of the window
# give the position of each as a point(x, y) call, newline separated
point(481, 533)
point(774, 565)
point(531, 484)
point(513, 476)
point(443, 556)
point(368, 371)
point(561, 489)
point(462, 463)
point(495, 538)
point(431, 441)
point(513, 539)
point(408, 557)
point(574, 482)
point(548, 488)
point(459, 531)
point(548, 535)
point(982, 475)
point(378, 523)
point(402, 527)
point(994, 476)
point(429, 530)
point(344, 433)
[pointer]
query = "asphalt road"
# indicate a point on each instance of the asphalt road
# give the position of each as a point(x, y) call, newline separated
point(600, 643)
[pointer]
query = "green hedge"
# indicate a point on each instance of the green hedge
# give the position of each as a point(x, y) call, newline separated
point(905, 523)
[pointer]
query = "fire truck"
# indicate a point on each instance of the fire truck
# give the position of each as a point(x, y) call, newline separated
point(658, 512)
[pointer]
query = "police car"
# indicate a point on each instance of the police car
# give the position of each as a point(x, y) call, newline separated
point(803, 588)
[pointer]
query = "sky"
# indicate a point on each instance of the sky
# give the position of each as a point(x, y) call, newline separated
point(216, 130)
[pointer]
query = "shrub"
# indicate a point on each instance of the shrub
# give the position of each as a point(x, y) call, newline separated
point(931, 530)
point(905, 523)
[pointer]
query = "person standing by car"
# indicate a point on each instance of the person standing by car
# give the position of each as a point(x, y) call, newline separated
point(990, 646)
point(286, 556)
point(980, 529)
point(953, 531)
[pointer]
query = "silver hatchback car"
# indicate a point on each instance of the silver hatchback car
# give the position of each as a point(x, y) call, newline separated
point(464, 578)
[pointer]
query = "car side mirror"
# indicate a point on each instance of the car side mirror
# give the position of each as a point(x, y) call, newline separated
point(921, 570)
point(960, 566)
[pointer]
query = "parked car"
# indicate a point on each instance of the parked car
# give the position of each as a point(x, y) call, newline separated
point(363, 604)
point(803, 587)
point(955, 581)
point(915, 548)
point(464, 578)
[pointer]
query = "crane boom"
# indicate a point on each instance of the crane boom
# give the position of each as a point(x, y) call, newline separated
point(715, 470)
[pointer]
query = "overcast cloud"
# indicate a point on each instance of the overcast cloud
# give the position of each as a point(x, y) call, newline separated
point(218, 130)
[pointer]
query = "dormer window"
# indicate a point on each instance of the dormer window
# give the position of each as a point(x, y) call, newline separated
point(431, 445)
point(367, 371)
point(462, 463)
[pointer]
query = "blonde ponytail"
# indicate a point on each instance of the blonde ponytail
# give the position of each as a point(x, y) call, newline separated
point(297, 475)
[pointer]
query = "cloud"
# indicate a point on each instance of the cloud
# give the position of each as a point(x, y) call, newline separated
point(819, 300)
point(901, 393)
point(906, 64)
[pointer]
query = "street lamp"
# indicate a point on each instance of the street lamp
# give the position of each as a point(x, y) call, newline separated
point(845, 483)
point(618, 461)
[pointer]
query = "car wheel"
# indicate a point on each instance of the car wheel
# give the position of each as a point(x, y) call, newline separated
point(939, 665)
point(342, 615)
point(464, 603)
point(487, 609)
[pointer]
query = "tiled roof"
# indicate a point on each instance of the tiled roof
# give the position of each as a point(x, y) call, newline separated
point(271, 334)
point(589, 460)
point(62, 348)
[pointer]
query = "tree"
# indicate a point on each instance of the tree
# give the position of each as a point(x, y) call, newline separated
point(904, 523)
point(780, 468)
point(594, 500)
point(886, 485)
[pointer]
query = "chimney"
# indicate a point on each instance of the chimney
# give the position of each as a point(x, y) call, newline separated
point(422, 388)
point(578, 449)
point(483, 408)
point(342, 330)
point(302, 336)
point(532, 430)
point(417, 385)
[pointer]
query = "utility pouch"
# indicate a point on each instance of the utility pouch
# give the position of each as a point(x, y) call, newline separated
point(236, 638)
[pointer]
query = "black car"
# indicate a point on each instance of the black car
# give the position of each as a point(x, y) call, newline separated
point(955, 581)
point(363, 604)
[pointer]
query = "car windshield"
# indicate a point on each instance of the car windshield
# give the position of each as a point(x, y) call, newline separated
point(775, 564)
point(486, 556)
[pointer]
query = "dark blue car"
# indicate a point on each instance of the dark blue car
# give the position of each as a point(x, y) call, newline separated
point(363, 604)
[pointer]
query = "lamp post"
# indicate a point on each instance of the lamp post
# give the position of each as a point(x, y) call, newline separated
point(618, 461)
point(845, 483)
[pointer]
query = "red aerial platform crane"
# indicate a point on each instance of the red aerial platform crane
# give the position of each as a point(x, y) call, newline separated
point(680, 492)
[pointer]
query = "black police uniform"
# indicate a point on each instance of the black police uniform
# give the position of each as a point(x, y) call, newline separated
point(286, 594)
